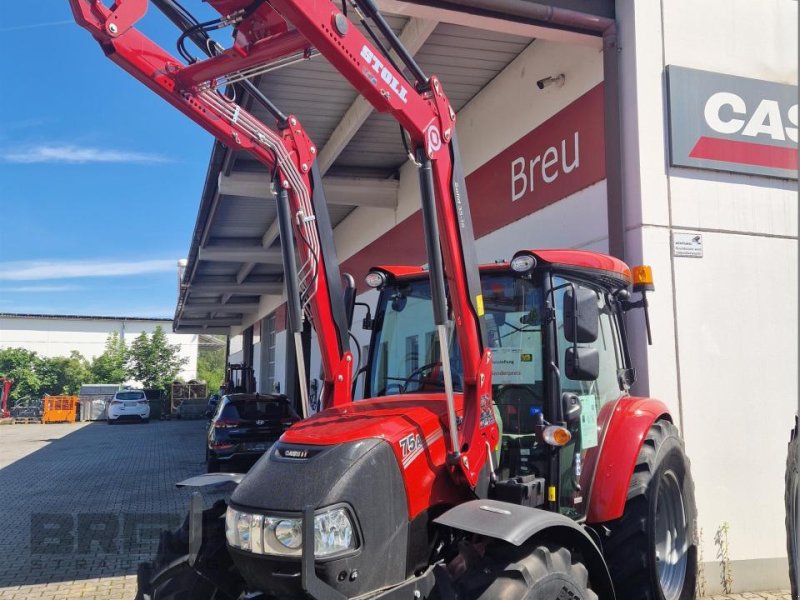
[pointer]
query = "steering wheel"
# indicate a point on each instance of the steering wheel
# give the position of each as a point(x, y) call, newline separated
point(417, 373)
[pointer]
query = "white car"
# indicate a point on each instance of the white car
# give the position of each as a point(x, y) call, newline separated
point(129, 405)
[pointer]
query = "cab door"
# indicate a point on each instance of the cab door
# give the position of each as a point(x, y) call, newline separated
point(586, 404)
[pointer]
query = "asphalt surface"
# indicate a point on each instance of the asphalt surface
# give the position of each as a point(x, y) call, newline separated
point(82, 504)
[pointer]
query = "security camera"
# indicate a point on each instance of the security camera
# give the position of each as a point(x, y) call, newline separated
point(557, 80)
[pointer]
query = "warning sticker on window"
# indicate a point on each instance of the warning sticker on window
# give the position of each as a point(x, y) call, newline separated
point(513, 366)
point(588, 421)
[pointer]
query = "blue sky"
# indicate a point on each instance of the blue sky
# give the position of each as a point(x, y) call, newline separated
point(99, 178)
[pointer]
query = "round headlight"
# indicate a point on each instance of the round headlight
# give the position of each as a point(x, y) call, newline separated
point(523, 263)
point(289, 533)
point(375, 279)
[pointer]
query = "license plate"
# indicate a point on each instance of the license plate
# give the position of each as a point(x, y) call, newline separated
point(130, 405)
point(256, 447)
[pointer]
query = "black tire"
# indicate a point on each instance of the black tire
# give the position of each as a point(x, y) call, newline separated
point(662, 475)
point(184, 582)
point(793, 510)
point(529, 573)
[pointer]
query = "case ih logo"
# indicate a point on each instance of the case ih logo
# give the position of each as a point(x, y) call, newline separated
point(732, 123)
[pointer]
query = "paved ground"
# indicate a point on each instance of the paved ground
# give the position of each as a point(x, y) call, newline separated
point(81, 505)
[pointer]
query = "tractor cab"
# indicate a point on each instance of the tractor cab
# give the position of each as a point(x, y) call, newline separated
point(555, 329)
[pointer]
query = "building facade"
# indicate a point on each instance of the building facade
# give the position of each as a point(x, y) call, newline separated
point(669, 141)
point(58, 335)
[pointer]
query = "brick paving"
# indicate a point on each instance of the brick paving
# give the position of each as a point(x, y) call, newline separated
point(82, 504)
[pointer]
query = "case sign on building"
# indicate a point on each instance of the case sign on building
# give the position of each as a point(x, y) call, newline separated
point(729, 123)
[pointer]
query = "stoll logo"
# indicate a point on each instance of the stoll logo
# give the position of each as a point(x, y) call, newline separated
point(729, 123)
point(384, 73)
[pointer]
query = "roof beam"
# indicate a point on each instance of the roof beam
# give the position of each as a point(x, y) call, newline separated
point(413, 36)
point(244, 254)
point(247, 288)
point(208, 307)
point(227, 322)
point(201, 329)
point(266, 241)
point(339, 191)
point(511, 25)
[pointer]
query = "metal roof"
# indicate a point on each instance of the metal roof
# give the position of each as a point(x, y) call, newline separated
point(234, 258)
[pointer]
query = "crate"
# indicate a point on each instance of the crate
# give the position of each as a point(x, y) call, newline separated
point(59, 409)
point(189, 400)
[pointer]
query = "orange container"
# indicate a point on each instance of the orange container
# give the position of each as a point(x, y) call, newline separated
point(59, 409)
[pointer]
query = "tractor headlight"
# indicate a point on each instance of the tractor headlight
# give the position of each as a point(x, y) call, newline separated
point(334, 533)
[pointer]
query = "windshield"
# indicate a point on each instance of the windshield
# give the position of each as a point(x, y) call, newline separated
point(405, 353)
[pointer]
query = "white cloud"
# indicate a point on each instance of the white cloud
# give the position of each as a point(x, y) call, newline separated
point(70, 269)
point(35, 25)
point(73, 154)
point(40, 289)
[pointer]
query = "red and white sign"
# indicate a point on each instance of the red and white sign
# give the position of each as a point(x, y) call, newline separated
point(732, 123)
point(561, 156)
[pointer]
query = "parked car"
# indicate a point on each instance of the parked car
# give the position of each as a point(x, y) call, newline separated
point(245, 426)
point(129, 405)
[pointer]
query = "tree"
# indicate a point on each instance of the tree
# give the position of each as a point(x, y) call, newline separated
point(63, 375)
point(109, 367)
point(22, 366)
point(153, 361)
point(211, 367)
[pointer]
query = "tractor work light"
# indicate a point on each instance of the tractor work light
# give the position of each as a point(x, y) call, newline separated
point(642, 279)
point(555, 435)
point(375, 279)
point(523, 263)
point(334, 533)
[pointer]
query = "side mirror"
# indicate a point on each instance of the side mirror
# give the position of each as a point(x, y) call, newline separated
point(581, 315)
point(349, 298)
point(581, 364)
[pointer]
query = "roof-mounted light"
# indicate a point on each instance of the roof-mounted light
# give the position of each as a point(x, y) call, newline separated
point(375, 279)
point(523, 263)
point(642, 279)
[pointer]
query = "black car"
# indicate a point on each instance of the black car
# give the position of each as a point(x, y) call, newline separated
point(243, 427)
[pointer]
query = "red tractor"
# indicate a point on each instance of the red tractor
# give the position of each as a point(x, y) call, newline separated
point(498, 452)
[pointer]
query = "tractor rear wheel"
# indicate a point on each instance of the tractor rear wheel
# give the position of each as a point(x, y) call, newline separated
point(511, 573)
point(651, 551)
point(793, 510)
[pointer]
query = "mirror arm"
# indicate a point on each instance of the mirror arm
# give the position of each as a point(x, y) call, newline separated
point(643, 304)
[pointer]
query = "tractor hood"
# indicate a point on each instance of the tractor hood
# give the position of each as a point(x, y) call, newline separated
point(412, 427)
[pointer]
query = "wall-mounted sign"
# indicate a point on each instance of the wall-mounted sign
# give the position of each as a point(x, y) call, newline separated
point(561, 156)
point(732, 123)
point(687, 244)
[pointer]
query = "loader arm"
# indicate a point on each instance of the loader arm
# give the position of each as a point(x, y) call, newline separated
point(288, 154)
point(267, 33)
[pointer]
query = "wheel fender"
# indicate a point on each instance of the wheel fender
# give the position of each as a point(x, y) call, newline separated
point(517, 524)
point(627, 428)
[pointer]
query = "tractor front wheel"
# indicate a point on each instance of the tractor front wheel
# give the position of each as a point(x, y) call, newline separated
point(651, 551)
point(511, 573)
point(171, 577)
point(793, 510)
